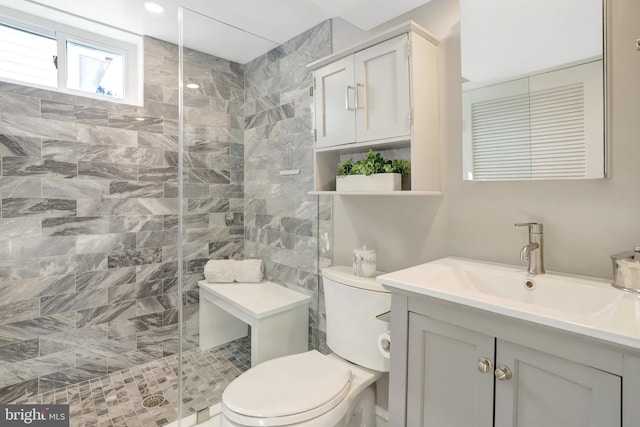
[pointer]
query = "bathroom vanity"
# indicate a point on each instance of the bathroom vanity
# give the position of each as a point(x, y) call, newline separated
point(481, 344)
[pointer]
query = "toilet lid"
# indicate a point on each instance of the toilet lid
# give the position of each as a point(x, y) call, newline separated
point(287, 385)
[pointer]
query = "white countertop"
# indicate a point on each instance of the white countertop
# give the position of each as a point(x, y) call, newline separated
point(582, 305)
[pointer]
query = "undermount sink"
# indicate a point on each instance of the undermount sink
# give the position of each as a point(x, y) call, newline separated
point(588, 306)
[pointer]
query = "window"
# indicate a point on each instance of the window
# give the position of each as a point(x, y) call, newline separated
point(95, 70)
point(54, 56)
point(27, 56)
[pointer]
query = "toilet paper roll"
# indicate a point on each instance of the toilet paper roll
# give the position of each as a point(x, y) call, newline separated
point(384, 344)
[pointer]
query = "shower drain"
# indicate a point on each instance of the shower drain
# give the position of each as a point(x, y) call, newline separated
point(151, 401)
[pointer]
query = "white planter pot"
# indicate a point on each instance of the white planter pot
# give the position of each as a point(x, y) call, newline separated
point(371, 183)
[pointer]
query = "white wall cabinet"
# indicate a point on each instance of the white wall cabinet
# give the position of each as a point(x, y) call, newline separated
point(383, 95)
point(365, 96)
point(456, 366)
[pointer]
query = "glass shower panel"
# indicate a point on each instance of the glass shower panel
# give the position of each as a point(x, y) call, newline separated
point(246, 167)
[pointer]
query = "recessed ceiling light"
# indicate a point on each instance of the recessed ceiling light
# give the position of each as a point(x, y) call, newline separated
point(140, 119)
point(193, 85)
point(153, 7)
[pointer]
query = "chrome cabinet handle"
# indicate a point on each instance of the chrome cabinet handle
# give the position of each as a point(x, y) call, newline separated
point(358, 107)
point(484, 365)
point(503, 373)
point(348, 104)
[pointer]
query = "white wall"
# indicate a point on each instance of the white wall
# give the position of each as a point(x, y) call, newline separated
point(585, 221)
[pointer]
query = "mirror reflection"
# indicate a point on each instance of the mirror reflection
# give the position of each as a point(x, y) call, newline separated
point(533, 89)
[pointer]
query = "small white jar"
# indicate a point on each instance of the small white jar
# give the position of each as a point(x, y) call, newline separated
point(364, 262)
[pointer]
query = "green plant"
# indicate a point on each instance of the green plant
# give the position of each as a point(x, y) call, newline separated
point(373, 163)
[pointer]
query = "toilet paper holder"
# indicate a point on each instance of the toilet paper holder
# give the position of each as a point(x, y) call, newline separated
point(385, 317)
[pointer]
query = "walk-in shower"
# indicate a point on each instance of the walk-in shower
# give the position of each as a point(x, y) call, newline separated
point(109, 212)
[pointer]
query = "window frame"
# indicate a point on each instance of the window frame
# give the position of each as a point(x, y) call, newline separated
point(130, 50)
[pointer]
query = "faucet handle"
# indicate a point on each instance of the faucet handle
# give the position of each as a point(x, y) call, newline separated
point(534, 227)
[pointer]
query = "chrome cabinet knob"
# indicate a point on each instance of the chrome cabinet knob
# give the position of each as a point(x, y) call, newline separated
point(484, 365)
point(503, 373)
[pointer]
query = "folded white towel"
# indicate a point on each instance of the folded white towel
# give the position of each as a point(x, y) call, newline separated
point(220, 270)
point(248, 271)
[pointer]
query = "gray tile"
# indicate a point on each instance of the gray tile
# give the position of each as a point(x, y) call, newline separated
point(105, 242)
point(157, 174)
point(74, 189)
point(19, 351)
point(29, 166)
point(74, 226)
point(73, 113)
point(105, 314)
point(133, 291)
point(20, 310)
point(20, 187)
point(12, 207)
point(114, 171)
point(127, 224)
point(11, 145)
point(73, 302)
point(34, 328)
point(134, 257)
point(133, 189)
point(73, 151)
point(17, 125)
point(105, 279)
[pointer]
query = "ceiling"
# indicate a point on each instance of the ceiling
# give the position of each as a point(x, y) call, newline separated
point(238, 30)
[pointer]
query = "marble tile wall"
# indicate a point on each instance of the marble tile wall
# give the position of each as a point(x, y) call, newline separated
point(89, 220)
point(280, 218)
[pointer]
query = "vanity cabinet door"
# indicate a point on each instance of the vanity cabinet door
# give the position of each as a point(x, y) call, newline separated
point(445, 386)
point(335, 104)
point(382, 89)
point(545, 390)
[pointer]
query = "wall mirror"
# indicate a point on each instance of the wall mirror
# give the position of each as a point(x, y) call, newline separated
point(533, 92)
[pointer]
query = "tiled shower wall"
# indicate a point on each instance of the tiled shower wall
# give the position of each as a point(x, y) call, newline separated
point(281, 219)
point(89, 217)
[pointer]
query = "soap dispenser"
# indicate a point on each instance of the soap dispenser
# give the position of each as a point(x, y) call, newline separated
point(626, 270)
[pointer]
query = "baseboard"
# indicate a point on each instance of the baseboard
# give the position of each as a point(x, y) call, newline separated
point(382, 417)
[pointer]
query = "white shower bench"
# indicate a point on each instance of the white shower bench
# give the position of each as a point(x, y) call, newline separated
point(278, 316)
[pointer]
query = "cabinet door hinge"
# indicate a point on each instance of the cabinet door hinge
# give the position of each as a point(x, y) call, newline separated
point(315, 135)
point(409, 48)
point(411, 117)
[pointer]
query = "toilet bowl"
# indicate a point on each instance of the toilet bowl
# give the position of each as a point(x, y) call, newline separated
point(308, 389)
point(312, 389)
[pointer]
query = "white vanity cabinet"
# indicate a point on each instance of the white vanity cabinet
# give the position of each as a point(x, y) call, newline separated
point(381, 94)
point(458, 366)
point(458, 379)
point(444, 387)
point(364, 96)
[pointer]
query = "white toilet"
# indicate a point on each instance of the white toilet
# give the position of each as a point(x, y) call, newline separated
point(311, 389)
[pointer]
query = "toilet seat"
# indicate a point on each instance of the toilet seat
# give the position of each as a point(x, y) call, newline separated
point(287, 390)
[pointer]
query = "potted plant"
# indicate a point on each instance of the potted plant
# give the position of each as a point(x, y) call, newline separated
point(373, 173)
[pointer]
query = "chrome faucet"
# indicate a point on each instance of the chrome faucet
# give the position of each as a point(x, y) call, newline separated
point(534, 250)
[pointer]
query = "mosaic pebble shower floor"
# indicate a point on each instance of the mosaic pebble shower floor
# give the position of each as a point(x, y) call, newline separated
point(115, 400)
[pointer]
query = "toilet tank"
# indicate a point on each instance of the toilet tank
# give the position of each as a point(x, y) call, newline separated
point(352, 304)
